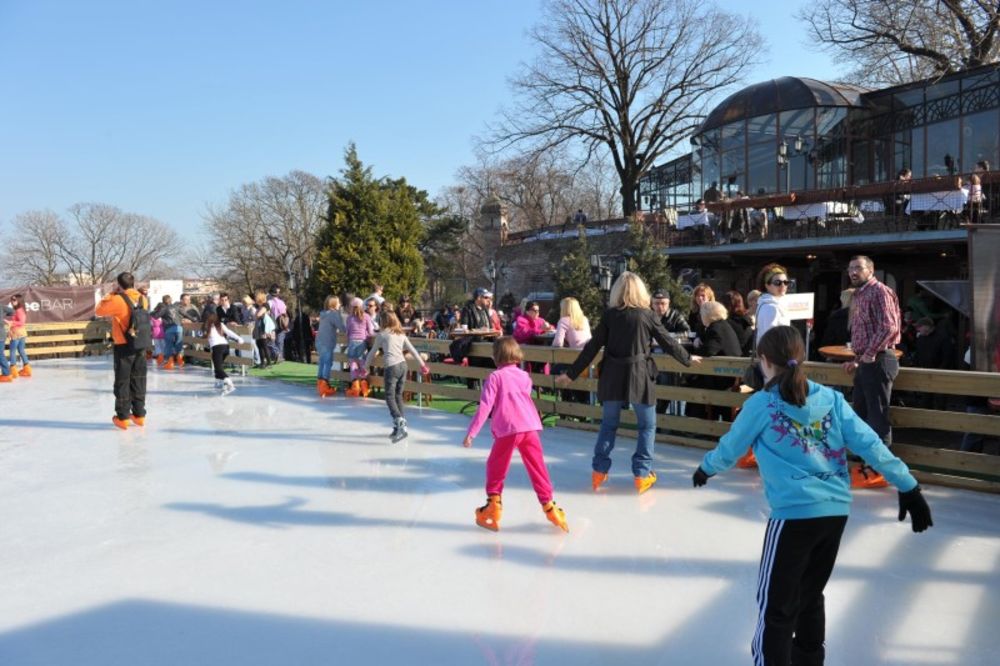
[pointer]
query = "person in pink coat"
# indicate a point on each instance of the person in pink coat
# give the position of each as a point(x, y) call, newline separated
point(530, 325)
point(506, 397)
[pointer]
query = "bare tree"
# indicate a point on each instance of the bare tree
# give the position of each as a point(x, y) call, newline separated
point(887, 42)
point(150, 244)
point(270, 229)
point(633, 77)
point(33, 248)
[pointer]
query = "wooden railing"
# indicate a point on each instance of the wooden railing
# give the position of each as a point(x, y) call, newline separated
point(933, 465)
point(68, 338)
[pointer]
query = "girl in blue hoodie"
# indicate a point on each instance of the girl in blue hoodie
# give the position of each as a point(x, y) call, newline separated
point(800, 433)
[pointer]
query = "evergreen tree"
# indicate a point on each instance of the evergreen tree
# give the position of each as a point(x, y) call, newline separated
point(650, 262)
point(372, 234)
point(573, 277)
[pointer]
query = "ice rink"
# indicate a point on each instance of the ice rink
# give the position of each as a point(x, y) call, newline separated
point(269, 527)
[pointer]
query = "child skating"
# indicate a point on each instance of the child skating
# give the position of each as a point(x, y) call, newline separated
point(359, 328)
point(393, 342)
point(506, 398)
point(219, 336)
point(800, 433)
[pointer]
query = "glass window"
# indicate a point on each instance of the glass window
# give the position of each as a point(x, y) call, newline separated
point(799, 122)
point(909, 98)
point(800, 172)
point(831, 122)
point(762, 128)
point(734, 135)
point(762, 174)
point(917, 155)
point(709, 170)
point(882, 161)
point(831, 165)
point(942, 148)
point(979, 79)
point(980, 134)
point(733, 171)
point(860, 162)
point(903, 154)
point(942, 90)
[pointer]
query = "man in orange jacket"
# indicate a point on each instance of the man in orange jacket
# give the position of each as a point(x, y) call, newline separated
point(130, 364)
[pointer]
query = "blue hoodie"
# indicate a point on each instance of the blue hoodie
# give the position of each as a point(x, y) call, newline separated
point(802, 452)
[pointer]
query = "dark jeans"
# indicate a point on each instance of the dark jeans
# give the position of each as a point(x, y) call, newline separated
point(872, 390)
point(219, 354)
point(130, 381)
point(796, 562)
point(266, 353)
point(395, 378)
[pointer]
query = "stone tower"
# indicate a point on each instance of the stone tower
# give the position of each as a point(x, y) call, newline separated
point(493, 217)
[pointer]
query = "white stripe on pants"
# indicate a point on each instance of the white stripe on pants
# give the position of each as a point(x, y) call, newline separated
point(771, 538)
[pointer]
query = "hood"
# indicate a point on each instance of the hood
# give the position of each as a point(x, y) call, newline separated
point(818, 405)
point(767, 297)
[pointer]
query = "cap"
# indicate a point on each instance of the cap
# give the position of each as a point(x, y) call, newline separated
point(659, 293)
point(482, 292)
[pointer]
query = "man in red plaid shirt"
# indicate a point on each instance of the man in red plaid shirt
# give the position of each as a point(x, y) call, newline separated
point(875, 326)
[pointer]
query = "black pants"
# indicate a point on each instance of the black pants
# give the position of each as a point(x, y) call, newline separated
point(219, 354)
point(872, 390)
point(395, 379)
point(130, 381)
point(266, 353)
point(797, 560)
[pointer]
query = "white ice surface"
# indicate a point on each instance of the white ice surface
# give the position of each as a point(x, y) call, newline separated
point(269, 527)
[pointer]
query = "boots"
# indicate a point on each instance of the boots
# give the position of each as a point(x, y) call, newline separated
point(13, 371)
point(747, 461)
point(365, 390)
point(323, 388)
point(644, 483)
point(597, 478)
point(26, 370)
point(138, 420)
point(169, 365)
point(149, 355)
point(120, 423)
point(180, 360)
point(5, 379)
point(864, 476)
point(399, 430)
point(555, 515)
point(489, 514)
point(159, 359)
point(355, 389)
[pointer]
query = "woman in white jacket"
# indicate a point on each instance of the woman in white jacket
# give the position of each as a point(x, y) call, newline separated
point(773, 282)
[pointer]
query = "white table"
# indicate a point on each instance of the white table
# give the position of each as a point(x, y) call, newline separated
point(689, 220)
point(819, 210)
point(952, 200)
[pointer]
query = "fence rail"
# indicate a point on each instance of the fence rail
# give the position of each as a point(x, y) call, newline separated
point(68, 338)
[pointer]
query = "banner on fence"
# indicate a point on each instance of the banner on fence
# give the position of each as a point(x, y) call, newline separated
point(55, 304)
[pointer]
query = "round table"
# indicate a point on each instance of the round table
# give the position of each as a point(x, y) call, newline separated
point(843, 353)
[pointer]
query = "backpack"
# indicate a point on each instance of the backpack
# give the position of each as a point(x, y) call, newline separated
point(283, 321)
point(139, 333)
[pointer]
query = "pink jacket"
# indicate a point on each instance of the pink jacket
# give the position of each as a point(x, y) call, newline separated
point(526, 328)
point(156, 324)
point(17, 323)
point(573, 338)
point(507, 394)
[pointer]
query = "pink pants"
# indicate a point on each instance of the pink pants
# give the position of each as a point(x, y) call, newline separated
point(531, 454)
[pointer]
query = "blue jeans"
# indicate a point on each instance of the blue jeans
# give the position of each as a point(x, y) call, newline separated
point(17, 346)
point(173, 340)
point(325, 363)
point(642, 459)
point(4, 365)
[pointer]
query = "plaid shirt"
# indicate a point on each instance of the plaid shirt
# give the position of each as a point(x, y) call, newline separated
point(874, 319)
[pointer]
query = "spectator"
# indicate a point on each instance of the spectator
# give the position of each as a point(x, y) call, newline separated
point(18, 337)
point(121, 307)
point(753, 298)
point(211, 307)
point(720, 340)
point(701, 294)
point(331, 322)
point(282, 322)
point(874, 324)
point(263, 330)
point(228, 312)
point(573, 331)
point(372, 308)
point(740, 320)
point(530, 325)
point(377, 294)
point(170, 317)
point(188, 310)
point(934, 350)
point(773, 281)
point(405, 312)
point(627, 375)
point(837, 331)
point(672, 320)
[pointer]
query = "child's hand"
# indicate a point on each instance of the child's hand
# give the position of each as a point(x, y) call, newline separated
point(467, 442)
point(563, 380)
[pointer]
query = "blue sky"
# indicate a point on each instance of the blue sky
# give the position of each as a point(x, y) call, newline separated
point(163, 107)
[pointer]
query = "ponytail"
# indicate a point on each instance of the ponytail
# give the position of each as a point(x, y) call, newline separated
point(784, 349)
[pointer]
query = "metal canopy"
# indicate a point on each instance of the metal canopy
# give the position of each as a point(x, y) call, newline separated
point(955, 293)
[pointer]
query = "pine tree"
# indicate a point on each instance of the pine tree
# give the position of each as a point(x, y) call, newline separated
point(372, 233)
point(572, 276)
point(649, 261)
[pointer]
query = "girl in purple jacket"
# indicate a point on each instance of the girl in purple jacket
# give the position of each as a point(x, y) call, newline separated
point(515, 425)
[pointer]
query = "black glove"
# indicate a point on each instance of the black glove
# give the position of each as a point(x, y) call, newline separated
point(700, 478)
point(914, 503)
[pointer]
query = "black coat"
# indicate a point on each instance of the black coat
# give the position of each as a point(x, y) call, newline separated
point(628, 372)
point(836, 332)
point(720, 340)
point(675, 322)
point(743, 327)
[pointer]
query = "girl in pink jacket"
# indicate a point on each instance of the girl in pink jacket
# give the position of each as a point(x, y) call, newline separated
point(507, 395)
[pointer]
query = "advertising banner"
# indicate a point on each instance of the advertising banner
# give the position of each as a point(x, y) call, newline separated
point(798, 306)
point(55, 304)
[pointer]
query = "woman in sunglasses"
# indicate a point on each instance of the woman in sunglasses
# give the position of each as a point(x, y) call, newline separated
point(773, 282)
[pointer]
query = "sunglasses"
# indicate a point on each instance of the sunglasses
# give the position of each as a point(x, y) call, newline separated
point(778, 283)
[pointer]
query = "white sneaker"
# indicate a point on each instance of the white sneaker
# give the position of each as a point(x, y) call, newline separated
point(400, 431)
point(227, 387)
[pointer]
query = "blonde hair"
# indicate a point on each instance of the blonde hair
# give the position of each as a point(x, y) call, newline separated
point(389, 322)
point(260, 298)
point(331, 303)
point(629, 291)
point(713, 311)
point(506, 351)
point(570, 307)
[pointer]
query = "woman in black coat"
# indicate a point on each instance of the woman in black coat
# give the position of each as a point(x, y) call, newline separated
point(720, 340)
point(627, 374)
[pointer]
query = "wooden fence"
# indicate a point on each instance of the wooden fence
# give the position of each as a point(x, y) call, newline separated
point(933, 465)
point(70, 338)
